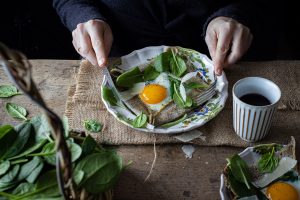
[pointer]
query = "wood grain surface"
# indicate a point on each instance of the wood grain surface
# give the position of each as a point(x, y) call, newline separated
point(173, 176)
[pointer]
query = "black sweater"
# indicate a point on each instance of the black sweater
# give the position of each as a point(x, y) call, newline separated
point(140, 23)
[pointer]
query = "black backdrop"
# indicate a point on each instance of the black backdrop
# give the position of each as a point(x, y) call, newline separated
point(33, 27)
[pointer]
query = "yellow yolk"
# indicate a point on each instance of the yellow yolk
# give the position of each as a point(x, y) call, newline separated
point(153, 94)
point(281, 191)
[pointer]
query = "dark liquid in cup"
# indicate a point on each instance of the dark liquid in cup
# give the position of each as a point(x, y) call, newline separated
point(255, 99)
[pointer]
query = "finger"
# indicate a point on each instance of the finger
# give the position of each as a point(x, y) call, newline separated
point(86, 50)
point(211, 42)
point(240, 44)
point(223, 46)
point(108, 38)
point(97, 39)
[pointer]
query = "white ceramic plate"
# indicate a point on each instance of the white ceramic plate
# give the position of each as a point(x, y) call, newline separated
point(195, 119)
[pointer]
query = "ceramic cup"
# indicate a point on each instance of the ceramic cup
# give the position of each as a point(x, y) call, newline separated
point(250, 122)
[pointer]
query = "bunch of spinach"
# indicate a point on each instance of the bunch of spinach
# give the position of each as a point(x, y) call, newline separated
point(27, 162)
point(268, 161)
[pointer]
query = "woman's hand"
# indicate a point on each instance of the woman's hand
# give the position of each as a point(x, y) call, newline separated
point(227, 41)
point(93, 40)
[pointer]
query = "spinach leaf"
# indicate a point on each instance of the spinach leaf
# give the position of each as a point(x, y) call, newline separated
point(162, 62)
point(178, 99)
point(88, 145)
point(23, 188)
point(7, 137)
point(129, 78)
point(101, 171)
point(78, 176)
point(109, 96)
point(177, 65)
point(173, 123)
point(4, 166)
point(28, 167)
point(195, 85)
point(41, 128)
point(268, 162)
point(46, 187)
point(92, 125)
point(75, 150)
point(7, 181)
point(8, 91)
point(16, 111)
point(24, 131)
point(140, 121)
point(266, 148)
point(150, 73)
point(240, 169)
point(35, 173)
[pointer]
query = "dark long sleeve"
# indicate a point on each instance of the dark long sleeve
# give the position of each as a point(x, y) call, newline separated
point(73, 12)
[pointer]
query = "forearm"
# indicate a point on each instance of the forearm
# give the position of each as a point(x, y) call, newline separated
point(73, 12)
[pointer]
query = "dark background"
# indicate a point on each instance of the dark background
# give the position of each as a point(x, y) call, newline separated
point(34, 28)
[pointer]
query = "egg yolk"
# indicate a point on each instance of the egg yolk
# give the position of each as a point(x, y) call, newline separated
point(281, 191)
point(153, 94)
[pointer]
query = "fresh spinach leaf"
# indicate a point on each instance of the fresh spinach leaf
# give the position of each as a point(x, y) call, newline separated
point(177, 65)
point(195, 85)
point(92, 125)
point(109, 96)
point(7, 181)
point(150, 73)
point(173, 123)
point(23, 188)
point(41, 128)
point(129, 78)
point(24, 131)
point(266, 148)
point(268, 162)
point(4, 166)
point(46, 187)
point(8, 91)
point(7, 137)
point(162, 62)
point(88, 146)
point(28, 167)
point(101, 170)
point(75, 150)
point(240, 169)
point(179, 101)
point(78, 176)
point(35, 173)
point(16, 111)
point(140, 121)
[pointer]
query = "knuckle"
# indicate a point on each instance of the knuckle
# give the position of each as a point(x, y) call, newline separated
point(85, 50)
point(80, 27)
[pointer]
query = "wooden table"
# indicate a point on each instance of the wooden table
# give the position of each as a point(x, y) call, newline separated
point(173, 176)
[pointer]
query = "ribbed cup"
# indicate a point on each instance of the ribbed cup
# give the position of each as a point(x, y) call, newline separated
point(250, 122)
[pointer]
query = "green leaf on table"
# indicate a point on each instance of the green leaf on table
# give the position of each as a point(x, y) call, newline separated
point(109, 96)
point(195, 85)
point(88, 146)
point(101, 171)
point(46, 187)
point(35, 173)
point(7, 181)
point(16, 111)
point(8, 91)
point(7, 137)
point(177, 65)
point(41, 128)
point(24, 131)
point(162, 62)
point(240, 169)
point(150, 73)
point(173, 123)
point(78, 176)
point(268, 162)
point(28, 168)
point(129, 78)
point(4, 166)
point(140, 121)
point(92, 125)
point(23, 188)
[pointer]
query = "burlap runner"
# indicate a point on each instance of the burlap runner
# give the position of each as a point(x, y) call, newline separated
point(84, 102)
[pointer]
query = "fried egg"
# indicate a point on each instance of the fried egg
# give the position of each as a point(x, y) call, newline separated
point(157, 93)
point(281, 190)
